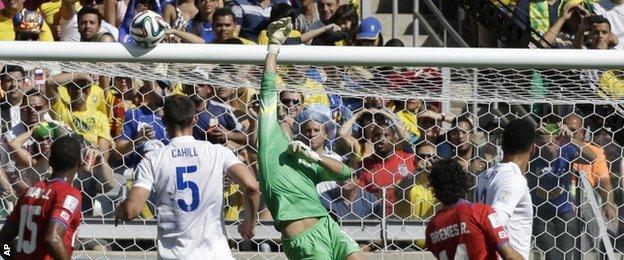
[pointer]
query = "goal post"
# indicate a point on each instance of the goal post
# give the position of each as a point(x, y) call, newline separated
point(314, 55)
point(488, 86)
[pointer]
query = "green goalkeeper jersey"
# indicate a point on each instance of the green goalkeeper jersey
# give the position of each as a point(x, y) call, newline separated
point(288, 184)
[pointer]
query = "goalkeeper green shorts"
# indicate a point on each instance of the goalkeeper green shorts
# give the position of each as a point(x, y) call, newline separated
point(325, 240)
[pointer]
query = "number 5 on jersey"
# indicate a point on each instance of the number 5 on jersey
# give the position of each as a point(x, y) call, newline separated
point(182, 184)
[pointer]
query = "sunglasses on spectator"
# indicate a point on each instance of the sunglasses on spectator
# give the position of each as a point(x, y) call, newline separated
point(290, 101)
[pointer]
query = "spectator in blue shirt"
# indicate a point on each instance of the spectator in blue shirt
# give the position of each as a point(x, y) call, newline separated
point(215, 120)
point(350, 202)
point(201, 24)
point(142, 123)
point(252, 16)
point(550, 180)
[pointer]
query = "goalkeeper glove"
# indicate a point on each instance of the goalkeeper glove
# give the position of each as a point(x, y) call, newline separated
point(278, 31)
point(301, 151)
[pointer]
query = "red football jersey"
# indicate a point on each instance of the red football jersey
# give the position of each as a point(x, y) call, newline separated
point(44, 202)
point(378, 173)
point(465, 231)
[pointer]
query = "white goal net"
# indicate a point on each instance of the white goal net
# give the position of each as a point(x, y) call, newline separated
point(440, 111)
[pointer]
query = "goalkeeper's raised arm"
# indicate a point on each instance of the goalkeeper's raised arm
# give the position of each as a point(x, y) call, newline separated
point(289, 172)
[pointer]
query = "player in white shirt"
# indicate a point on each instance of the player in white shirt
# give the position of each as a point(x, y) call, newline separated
point(504, 186)
point(187, 177)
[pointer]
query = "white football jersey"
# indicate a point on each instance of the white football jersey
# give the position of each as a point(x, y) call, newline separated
point(187, 178)
point(504, 187)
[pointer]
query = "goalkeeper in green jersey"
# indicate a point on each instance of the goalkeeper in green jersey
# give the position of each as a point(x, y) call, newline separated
point(289, 172)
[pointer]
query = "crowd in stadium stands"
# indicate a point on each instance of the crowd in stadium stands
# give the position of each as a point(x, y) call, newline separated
point(389, 144)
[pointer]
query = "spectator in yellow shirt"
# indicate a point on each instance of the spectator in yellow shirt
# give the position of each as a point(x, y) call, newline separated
point(414, 195)
point(76, 112)
point(50, 11)
point(408, 115)
point(7, 29)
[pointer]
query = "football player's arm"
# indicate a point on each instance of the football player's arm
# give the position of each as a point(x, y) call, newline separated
point(333, 170)
point(270, 135)
point(131, 207)
point(54, 240)
point(508, 253)
point(495, 233)
point(66, 210)
point(242, 176)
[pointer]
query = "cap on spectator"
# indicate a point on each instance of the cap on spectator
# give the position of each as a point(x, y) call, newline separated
point(28, 22)
point(44, 130)
point(369, 29)
point(320, 114)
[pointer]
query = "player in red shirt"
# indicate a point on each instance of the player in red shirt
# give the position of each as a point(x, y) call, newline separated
point(47, 215)
point(463, 230)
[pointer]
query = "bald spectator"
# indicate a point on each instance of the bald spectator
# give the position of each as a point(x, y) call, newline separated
point(596, 170)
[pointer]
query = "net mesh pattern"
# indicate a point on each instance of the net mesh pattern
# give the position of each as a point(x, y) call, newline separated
point(432, 112)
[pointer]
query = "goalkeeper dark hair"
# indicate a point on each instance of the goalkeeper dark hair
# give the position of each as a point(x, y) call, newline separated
point(178, 112)
point(449, 180)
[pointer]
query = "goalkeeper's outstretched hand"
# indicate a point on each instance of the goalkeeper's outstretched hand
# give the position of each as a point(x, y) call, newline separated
point(278, 32)
point(300, 150)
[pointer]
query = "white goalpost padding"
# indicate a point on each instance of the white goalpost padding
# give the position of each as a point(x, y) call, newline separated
point(314, 55)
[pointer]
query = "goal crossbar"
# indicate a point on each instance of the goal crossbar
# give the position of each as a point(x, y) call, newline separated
point(314, 55)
